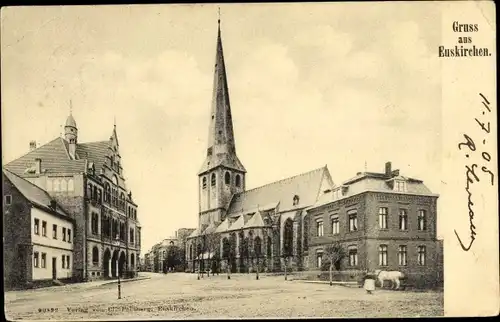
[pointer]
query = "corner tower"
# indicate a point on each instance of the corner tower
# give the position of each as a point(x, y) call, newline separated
point(222, 173)
point(71, 132)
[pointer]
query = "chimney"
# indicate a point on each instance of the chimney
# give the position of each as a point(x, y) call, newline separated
point(53, 204)
point(38, 166)
point(32, 145)
point(388, 169)
point(72, 150)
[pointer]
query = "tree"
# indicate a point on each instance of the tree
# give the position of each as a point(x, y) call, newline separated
point(334, 254)
point(226, 255)
point(212, 243)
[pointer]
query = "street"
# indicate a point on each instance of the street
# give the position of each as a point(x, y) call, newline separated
point(181, 295)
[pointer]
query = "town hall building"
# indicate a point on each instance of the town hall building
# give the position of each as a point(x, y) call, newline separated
point(86, 184)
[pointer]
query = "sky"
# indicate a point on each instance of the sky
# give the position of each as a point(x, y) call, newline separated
point(348, 85)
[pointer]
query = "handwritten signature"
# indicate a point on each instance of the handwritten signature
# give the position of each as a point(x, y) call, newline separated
point(470, 173)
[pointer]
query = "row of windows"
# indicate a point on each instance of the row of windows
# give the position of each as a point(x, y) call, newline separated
point(403, 219)
point(66, 232)
point(227, 180)
point(110, 197)
point(383, 219)
point(60, 184)
point(382, 256)
point(65, 260)
point(108, 224)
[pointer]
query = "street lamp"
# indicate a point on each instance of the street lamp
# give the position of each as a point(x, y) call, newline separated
point(117, 239)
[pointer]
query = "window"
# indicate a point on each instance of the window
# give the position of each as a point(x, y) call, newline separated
point(69, 235)
point(335, 225)
point(212, 180)
point(107, 193)
point(319, 228)
point(227, 178)
point(296, 200)
point(64, 186)
point(54, 231)
point(132, 235)
point(36, 227)
point(67, 262)
point(56, 185)
point(237, 180)
point(35, 259)
point(422, 220)
point(44, 228)
point(95, 256)
point(44, 260)
point(63, 261)
point(403, 219)
point(8, 200)
point(90, 191)
point(204, 180)
point(319, 259)
point(306, 233)
point(64, 233)
point(269, 246)
point(94, 224)
point(353, 222)
point(382, 218)
point(402, 253)
point(400, 185)
point(99, 196)
point(421, 255)
point(353, 256)
point(382, 255)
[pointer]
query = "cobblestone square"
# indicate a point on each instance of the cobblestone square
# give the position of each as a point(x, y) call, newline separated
point(180, 296)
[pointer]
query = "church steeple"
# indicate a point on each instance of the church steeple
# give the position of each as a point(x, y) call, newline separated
point(221, 144)
point(222, 174)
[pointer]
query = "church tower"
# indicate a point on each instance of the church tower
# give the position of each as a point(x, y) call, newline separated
point(222, 173)
point(71, 133)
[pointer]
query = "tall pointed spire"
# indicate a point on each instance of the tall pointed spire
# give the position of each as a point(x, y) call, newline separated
point(221, 143)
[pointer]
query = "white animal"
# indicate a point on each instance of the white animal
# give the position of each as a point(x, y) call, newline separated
point(393, 276)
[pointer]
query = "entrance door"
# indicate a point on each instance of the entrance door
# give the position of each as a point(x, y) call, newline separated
point(54, 268)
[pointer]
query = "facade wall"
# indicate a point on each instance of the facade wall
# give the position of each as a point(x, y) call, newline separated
point(17, 247)
point(53, 256)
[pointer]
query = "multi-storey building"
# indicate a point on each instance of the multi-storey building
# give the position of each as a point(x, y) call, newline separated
point(384, 221)
point(38, 235)
point(87, 180)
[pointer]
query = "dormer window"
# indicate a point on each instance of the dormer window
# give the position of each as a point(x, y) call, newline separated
point(399, 185)
point(227, 178)
point(295, 200)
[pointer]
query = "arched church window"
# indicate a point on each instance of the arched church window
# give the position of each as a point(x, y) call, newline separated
point(288, 238)
point(212, 179)
point(269, 246)
point(237, 180)
point(95, 256)
point(204, 182)
point(227, 178)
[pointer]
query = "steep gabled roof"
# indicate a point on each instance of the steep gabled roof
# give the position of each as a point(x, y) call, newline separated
point(306, 186)
point(95, 152)
point(54, 156)
point(33, 193)
point(256, 221)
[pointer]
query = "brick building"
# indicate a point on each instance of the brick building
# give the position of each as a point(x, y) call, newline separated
point(87, 181)
point(384, 220)
point(38, 239)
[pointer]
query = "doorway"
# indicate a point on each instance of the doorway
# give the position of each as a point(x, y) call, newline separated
point(54, 268)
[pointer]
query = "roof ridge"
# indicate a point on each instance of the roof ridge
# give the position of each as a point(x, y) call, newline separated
point(285, 179)
point(101, 141)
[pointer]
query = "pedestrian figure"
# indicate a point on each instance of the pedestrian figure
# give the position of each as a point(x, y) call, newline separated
point(369, 283)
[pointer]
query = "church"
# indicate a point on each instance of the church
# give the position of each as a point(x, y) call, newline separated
point(243, 227)
point(87, 181)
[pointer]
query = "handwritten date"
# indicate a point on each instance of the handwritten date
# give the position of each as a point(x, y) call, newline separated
point(471, 171)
